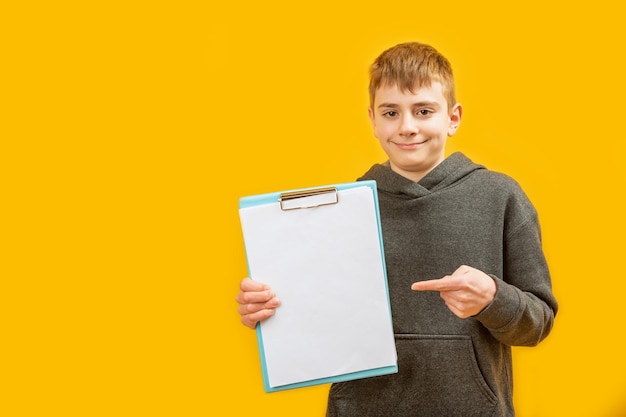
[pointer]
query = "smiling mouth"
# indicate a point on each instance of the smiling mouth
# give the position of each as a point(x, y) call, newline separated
point(409, 146)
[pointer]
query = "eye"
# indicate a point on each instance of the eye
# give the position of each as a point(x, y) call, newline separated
point(390, 113)
point(424, 112)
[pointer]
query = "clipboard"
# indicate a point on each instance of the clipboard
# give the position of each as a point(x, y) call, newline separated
point(321, 251)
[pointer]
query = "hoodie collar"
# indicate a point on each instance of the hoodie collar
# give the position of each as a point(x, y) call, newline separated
point(449, 171)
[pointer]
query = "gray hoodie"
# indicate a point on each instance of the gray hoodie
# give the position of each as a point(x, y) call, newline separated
point(458, 214)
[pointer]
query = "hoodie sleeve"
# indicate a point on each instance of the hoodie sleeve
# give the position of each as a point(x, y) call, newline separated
point(523, 310)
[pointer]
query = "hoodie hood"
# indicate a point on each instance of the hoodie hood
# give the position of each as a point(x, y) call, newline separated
point(449, 172)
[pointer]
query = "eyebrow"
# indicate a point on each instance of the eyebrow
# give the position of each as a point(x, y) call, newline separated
point(418, 104)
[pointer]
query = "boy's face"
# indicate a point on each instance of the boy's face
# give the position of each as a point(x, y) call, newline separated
point(413, 128)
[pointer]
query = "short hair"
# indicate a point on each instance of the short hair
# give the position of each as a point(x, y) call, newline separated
point(411, 66)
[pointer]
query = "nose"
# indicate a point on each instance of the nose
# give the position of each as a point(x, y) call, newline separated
point(408, 127)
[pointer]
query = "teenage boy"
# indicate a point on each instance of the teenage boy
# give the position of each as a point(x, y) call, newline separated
point(467, 275)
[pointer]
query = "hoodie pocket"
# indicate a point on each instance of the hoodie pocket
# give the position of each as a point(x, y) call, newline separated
point(445, 369)
point(437, 375)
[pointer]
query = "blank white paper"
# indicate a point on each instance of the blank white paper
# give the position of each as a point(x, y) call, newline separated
point(325, 265)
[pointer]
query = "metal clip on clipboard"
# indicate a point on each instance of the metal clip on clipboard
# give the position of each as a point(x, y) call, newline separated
point(310, 198)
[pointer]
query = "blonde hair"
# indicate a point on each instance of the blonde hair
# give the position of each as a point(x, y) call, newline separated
point(411, 66)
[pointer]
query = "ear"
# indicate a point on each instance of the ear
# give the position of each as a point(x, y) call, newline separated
point(455, 119)
point(370, 112)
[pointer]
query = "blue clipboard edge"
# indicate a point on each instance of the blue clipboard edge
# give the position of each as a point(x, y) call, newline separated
point(271, 198)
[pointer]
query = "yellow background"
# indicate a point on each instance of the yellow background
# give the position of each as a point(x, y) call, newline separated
point(130, 129)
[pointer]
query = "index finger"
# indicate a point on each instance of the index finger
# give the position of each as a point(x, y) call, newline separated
point(248, 284)
point(442, 284)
